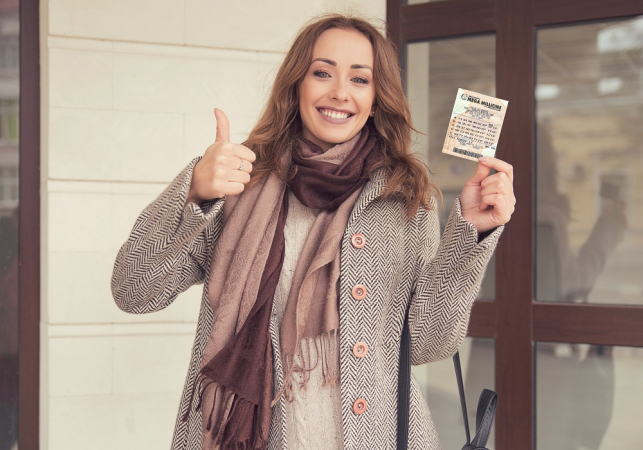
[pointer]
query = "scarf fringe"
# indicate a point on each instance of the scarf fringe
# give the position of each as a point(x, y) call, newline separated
point(226, 421)
point(324, 350)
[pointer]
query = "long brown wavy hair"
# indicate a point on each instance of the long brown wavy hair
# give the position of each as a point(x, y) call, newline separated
point(280, 125)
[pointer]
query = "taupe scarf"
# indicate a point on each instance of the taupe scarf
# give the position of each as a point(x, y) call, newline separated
point(236, 368)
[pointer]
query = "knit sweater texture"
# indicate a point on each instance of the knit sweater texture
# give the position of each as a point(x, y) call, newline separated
point(314, 418)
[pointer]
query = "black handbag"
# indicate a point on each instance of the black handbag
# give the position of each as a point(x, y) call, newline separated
point(486, 404)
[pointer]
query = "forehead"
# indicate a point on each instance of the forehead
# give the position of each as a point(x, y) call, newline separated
point(340, 44)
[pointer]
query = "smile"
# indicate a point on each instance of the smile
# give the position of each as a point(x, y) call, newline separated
point(335, 117)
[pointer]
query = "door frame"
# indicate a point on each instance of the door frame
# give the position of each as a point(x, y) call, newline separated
point(29, 229)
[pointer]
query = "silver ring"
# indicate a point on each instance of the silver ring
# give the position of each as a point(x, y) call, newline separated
point(241, 165)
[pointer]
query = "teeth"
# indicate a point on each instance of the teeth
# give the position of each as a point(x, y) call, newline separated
point(334, 114)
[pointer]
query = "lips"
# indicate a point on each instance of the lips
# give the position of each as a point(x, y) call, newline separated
point(334, 116)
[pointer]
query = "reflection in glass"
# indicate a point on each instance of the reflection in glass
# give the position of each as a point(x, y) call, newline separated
point(415, 2)
point(440, 389)
point(590, 163)
point(9, 94)
point(588, 397)
point(434, 72)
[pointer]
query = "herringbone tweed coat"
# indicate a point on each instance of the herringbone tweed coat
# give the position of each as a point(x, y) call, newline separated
point(403, 261)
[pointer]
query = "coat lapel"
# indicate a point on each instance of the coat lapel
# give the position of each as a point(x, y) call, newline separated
point(372, 188)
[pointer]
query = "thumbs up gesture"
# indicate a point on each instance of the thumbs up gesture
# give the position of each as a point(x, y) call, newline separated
point(225, 167)
point(488, 201)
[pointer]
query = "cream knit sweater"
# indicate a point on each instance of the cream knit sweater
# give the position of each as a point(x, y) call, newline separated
point(314, 418)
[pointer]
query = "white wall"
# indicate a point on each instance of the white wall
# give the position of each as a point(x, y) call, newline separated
point(128, 89)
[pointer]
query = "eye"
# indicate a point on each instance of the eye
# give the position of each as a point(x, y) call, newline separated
point(321, 74)
point(360, 80)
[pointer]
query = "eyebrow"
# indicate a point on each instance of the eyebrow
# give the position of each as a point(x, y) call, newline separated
point(333, 63)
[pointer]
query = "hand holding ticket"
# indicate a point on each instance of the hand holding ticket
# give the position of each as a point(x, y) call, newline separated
point(475, 125)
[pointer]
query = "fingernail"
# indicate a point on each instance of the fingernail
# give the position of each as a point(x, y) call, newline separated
point(483, 159)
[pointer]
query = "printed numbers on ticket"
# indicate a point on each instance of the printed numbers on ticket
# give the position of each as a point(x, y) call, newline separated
point(475, 125)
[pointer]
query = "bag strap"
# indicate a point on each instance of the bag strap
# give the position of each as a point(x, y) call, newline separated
point(484, 415)
point(404, 389)
point(463, 402)
point(486, 404)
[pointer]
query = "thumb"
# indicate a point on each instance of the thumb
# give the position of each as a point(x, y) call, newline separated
point(480, 174)
point(223, 127)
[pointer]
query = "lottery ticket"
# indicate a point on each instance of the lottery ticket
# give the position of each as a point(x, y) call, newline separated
point(475, 125)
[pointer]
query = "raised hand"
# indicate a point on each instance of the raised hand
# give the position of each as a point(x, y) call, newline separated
point(225, 167)
point(488, 201)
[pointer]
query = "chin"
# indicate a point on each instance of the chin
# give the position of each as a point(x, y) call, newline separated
point(335, 139)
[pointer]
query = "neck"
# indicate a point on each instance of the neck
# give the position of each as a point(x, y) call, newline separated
point(325, 146)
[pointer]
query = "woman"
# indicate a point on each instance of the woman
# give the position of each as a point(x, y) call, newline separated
point(311, 262)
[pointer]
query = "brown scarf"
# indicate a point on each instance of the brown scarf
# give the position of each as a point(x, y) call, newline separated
point(237, 367)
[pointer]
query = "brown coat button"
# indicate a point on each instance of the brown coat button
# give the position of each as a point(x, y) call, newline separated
point(360, 349)
point(359, 407)
point(358, 240)
point(359, 292)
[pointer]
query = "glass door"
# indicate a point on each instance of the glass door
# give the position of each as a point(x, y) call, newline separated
point(558, 332)
point(589, 227)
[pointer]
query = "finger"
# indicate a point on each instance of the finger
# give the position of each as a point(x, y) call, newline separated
point(495, 188)
point(236, 165)
point(223, 126)
point(494, 200)
point(490, 200)
point(502, 211)
point(497, 185)
point(234, 188)
point(499, 177)
point(238, 176)
point(487, 201)
point(506, 187)
point(243, 152)
point(499, 165)
point(481, 173)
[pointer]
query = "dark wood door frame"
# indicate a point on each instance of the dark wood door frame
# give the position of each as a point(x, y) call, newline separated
point(515, 47)
point(513, 318)
point(29, 229)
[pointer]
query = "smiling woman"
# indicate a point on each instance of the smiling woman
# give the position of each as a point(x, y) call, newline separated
point(315, 239)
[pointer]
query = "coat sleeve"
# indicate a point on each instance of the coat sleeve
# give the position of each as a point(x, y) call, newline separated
point(168, 249)
point(449, 277)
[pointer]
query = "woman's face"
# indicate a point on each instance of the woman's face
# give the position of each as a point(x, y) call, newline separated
point(337, 93)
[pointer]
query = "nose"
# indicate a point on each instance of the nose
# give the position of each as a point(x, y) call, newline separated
point(340, 92)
